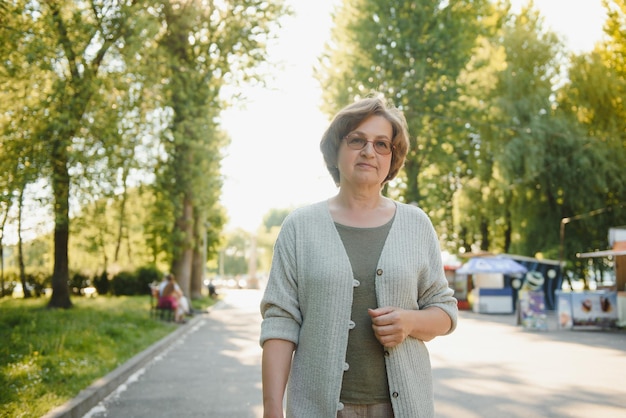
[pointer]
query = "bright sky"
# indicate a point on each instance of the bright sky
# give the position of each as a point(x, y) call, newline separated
point(274, 161)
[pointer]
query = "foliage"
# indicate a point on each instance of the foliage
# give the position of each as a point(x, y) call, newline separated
point(36, 280)
point(72, 68)
point(119, 94)
point(511, 134)
point(148, 274)
point(413, 53)
point(265, 240)
point(95, 247)
point(136, 282)
point(593, 98)
point(199, 50)
point(508, 153)
point(78, 282)
point(266, 236)
point(124, 283)
point(275, 217)
point(236, 253)
point(101, 283)
point(117, 109)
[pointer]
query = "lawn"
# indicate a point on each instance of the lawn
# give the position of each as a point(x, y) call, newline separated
point(48, 356)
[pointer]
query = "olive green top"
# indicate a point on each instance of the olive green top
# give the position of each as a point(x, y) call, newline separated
point(365, 381)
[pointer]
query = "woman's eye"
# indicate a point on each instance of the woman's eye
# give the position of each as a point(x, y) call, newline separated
point(357, 142)
point(383, 145)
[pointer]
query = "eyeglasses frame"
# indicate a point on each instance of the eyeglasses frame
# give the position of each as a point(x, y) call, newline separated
point(391, 148)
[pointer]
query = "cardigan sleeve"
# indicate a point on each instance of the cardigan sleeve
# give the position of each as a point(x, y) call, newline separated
point(279, 306)
point(438, 292)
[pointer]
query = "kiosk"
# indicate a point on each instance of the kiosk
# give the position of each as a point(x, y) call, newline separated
point(490, 292)
point(592, 309)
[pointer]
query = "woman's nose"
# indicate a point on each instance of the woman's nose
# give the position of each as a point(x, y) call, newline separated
point(368, 148)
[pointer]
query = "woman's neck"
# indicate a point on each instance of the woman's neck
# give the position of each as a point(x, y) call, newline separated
point(363, 211)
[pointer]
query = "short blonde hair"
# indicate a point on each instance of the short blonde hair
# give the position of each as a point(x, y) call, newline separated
point(351, 116)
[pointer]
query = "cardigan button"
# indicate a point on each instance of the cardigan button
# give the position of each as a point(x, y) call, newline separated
point(339, 406)
point(351, 324)
point(356, 283)
point(386, 353)
point(346, 367)
point(395, 394)
point(379, 272)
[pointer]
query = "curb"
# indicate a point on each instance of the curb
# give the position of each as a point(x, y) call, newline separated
point(101, 388)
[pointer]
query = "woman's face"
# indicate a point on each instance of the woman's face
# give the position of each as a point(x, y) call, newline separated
point(366, 167)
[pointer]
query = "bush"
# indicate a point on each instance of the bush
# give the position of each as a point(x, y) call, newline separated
point(78, 281)
point(36, 283)
point(134, 283)
point(145, 276)
point(124, 283)
point(40, 282)
point(7, 288)
point(101, 283)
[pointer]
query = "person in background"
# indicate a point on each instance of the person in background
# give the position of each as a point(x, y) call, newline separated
point(356, 286)
point(183, 302)
point(212, 290)
point(163, 283)
point(170, 298)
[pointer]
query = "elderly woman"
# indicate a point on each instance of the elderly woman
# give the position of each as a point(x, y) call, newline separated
point(356, 286)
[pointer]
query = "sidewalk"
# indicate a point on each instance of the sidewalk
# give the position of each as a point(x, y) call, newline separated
point(488, 367)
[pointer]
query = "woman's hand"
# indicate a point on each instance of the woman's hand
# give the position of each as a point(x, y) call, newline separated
point(391, 325)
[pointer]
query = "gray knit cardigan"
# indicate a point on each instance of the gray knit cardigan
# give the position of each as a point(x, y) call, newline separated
point(308, 301)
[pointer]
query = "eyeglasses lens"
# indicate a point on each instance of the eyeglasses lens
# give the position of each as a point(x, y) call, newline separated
point(381, 146)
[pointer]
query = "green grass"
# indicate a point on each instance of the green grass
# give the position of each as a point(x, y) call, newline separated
point(47, 356)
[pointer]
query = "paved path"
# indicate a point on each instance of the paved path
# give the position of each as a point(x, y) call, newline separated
point(214, 370)
point(488, 368)
point(491, 368)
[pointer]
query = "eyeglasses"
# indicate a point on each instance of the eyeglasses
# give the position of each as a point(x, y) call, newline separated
point(358, 142)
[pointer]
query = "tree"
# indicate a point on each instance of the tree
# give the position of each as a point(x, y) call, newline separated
point(266, 237)
point(478, 206)
point(413, 53)
point(531, 161)
point(70, 60)
point(108, 77)
point(593, 98)
point(203, 46)
point(20, 153)
point(522, 97)
point(275, 217)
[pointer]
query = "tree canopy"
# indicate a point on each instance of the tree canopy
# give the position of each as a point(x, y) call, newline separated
point(517, 145)
point(510, 132)
point(101, 96)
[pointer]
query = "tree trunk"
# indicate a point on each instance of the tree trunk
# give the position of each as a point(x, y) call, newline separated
point(121, 224)
point(253, 280)
point(4, 221)
point(199, 259)
point(20, 245)
point(484, 235)
point(508, 233)
point(412, 192)
point(61, 188)
point(105, 258)
point(197, 274)
point(181, 265)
